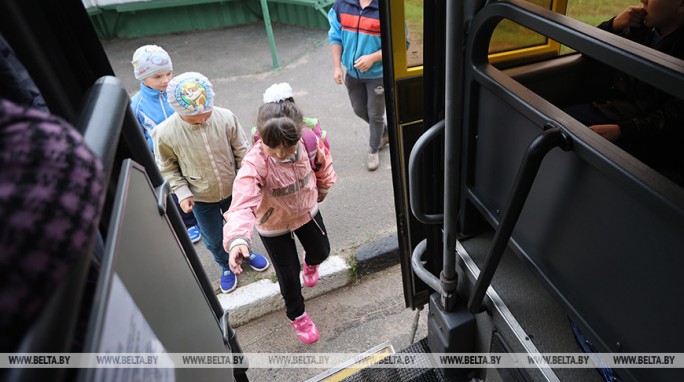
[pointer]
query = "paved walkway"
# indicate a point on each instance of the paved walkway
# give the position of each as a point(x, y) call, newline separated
point(353, 319)
point(360, 207)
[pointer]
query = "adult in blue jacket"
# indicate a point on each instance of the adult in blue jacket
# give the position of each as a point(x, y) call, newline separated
point(355, 40)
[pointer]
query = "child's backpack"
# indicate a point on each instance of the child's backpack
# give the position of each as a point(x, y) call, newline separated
point(313, 125)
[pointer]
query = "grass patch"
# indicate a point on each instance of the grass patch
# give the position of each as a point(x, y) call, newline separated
point(413, 12)
point(353, 267)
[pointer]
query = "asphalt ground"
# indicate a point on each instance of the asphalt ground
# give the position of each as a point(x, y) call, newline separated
point(359, 209)
point(353, 319)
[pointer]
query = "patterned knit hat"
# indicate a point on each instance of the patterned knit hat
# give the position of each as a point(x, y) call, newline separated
point(190, 93)
point(150, 59)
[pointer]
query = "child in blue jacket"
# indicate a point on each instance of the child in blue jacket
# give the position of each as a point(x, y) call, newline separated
point(153, 68)
point(355, 41)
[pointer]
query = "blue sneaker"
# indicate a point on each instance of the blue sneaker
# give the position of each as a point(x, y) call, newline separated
point(228, 281)
point(258, 262)
point(194, 233)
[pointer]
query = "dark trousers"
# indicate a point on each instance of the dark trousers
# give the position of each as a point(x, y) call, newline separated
point(283, 253)
point(188, 217)
point(367, 98)
point(587, 114)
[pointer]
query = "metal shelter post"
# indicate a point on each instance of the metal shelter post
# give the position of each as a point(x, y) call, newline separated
point(269, 33)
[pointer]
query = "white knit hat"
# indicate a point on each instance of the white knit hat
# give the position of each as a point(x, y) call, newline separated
point(150, 59)
point(190, 93)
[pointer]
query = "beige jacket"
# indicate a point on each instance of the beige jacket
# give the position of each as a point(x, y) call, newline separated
point(200, 160)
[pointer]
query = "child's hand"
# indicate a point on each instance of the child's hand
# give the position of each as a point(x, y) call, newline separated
point(322, 193)
point(187, 204)
point(237, 254)
point(630, 17)
point(338, 77)
point(364, 63)
point(611, 132)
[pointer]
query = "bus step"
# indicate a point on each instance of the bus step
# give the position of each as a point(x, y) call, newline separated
point(350, 367)
point(421, 371)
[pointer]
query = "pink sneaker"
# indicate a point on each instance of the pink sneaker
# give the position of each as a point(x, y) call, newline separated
point(305, 328)
point(309, 273)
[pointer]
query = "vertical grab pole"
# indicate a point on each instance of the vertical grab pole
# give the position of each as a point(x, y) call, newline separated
point(452, 147)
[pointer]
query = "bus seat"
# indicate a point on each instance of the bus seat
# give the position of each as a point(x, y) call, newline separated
point(52, 187)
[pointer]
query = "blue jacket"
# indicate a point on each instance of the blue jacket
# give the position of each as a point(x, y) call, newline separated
point(150, 107)
point(358, 31)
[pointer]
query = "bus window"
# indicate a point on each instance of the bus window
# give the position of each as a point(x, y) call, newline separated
point(413, 13)
point(595, 12)
point(511, 36)
point(592, 13)
point(512, 42)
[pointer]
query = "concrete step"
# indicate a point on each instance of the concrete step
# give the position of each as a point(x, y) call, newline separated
point(262, 297)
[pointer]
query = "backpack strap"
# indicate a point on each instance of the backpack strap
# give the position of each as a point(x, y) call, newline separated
point(255, 135)
point(311, 147)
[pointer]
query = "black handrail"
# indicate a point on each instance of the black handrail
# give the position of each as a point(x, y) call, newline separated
point(416, 263)
point(532, 160)
point(414, 175)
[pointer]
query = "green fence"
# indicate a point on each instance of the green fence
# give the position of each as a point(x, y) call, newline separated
point(155, 17)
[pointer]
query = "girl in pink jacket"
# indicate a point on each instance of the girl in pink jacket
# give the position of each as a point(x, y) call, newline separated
point(277, 191)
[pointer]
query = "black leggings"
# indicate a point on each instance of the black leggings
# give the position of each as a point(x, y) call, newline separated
point(283, 253)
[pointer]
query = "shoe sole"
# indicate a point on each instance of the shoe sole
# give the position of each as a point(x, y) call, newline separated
point(307, 285)
point(229, 290)
point(308, 342)
point(304, 281)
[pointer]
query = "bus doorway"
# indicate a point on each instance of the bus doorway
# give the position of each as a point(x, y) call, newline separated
point(523, 242)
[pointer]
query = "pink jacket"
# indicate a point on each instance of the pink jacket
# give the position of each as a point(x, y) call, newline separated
point(277, 197)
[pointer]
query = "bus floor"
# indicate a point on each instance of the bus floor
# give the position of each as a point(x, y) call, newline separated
point(534, 308)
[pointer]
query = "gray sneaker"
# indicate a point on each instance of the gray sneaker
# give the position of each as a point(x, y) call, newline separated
point(373, 161)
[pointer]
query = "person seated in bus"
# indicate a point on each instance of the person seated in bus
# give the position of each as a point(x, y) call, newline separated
point(646, 122)
point(152, 66)
point(278, 191)
point(51, 192)
point(198, 150)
